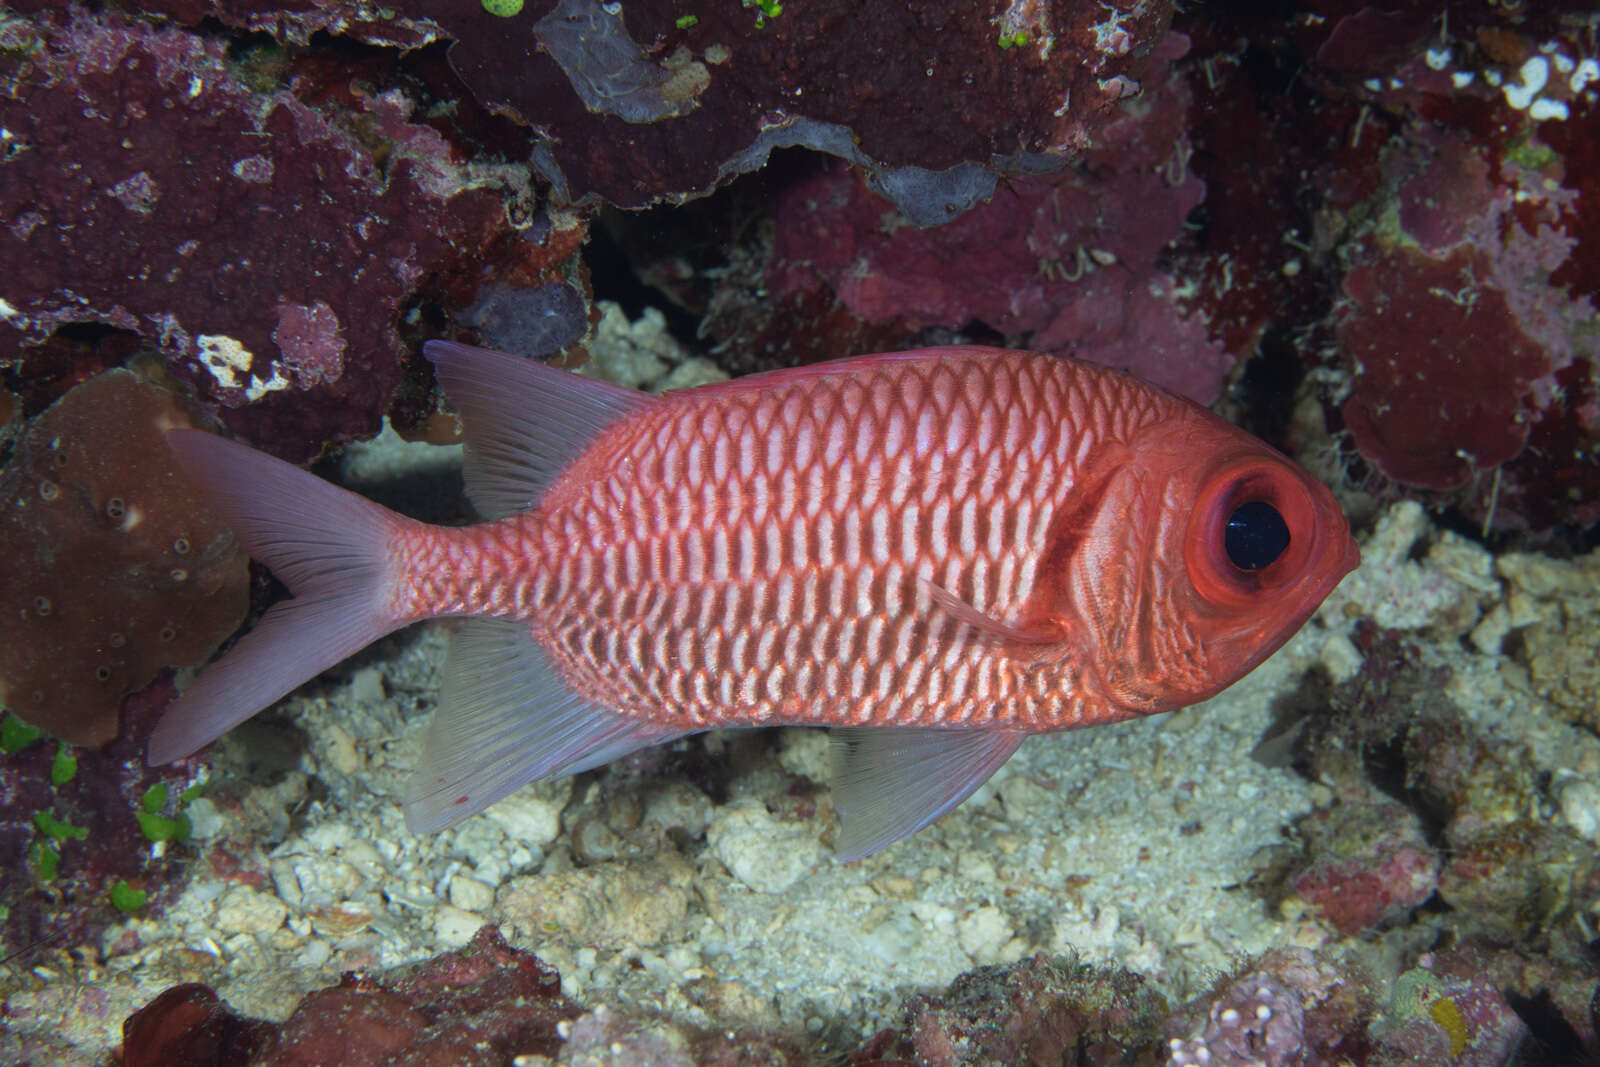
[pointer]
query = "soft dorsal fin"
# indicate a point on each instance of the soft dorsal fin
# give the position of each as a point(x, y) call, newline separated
point(989, 627)
point(525, 422)
point(890, 782)
point(506, 718)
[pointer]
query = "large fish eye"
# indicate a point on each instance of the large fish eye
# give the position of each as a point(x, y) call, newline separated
point(1255, 535)
point(1252, 533)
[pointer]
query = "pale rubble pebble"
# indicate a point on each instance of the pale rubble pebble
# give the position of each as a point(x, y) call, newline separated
point(684, 960)
point(976, 867)
point(982, 932)
point(243, 910)
point(339, 749)
point(197, 905)
point(692, 372)
point(365, 857)
point(305, 881)
point(594, 841)
point(454, 926)
point(934, 916)
point(897, 886)
point(643, 354)
point(1579, 801)
point(659, 970)
point(314, 954)
point(480, 842)
point(1340, 658)
point(1397, 532)
point(205, 821)
point(895, 939)
point(1467, 562)
point(1397, 591)
point(1090, 934)
point(610, 906)
point(268, 807)
point(338, 837)
point(345, 925)
point(765, 853)
point(731, 1001)
point(1489, 635)
point(804, 753)
point(1468, 566)
point(413, 894)
point(632, 353)
point(367, 686)
point(1021, 794)
point(560, 958)
point(328, 836)
point(604, 1038)
point(1538, 576)
point(1524, 608)
point(469, 894)
point(531, 816)
point(1555, 607)
point(389, 456)
point(678, 805)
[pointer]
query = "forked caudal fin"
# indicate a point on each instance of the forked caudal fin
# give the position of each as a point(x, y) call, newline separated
point(329, 546)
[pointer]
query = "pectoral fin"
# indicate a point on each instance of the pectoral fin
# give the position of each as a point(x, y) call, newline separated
point(890, 782)
point(992, 628)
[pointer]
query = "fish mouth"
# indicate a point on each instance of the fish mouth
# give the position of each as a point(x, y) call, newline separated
point(1348, 560)
point(1351, 558)
point(1331, 517)
point(1352, 555)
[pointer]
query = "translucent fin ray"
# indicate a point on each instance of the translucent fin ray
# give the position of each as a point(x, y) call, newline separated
point(989, 627)
point(890, 782)
point(329, 546)
point(506, 718)
point(525, 422)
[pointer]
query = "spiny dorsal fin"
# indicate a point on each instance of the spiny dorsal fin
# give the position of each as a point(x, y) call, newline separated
point(525, 422)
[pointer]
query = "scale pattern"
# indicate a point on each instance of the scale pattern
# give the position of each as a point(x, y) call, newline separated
point(750, 554)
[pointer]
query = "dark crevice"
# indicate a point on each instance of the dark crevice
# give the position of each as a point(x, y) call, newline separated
point(614, 278)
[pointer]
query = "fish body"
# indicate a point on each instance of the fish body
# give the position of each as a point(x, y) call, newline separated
point(935, 552)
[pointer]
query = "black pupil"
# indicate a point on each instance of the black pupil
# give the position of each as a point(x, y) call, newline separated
point(1256, 535)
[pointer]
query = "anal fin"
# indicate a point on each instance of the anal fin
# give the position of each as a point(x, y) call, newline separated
point(507, 718)
point(890, 782)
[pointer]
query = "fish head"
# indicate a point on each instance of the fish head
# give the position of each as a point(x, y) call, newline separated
point(1208, 551)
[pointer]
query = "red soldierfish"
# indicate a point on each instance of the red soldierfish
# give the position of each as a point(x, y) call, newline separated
point(936, 552)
